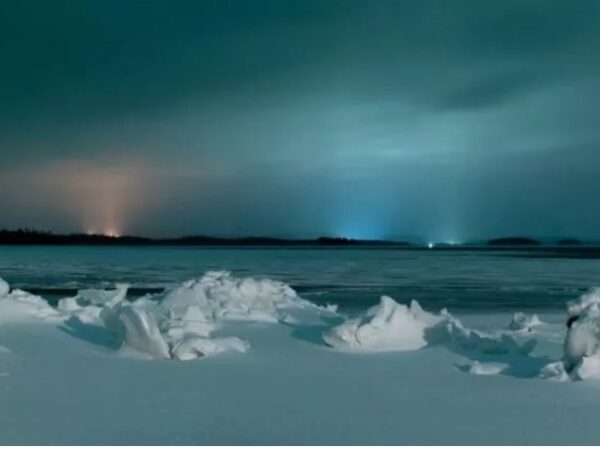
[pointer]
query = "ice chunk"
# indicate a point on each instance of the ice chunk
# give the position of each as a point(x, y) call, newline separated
point(88, 304)
point(389, 326)
point(222, 296)
point(582, 343)
point(583, 336)
point(486, 344)
point(140, 332)
point(524, 322)
point(104, 297)
point(160, 330)
point(587, 300)
point(191, 323)
point(93, 297)
point(555, 371)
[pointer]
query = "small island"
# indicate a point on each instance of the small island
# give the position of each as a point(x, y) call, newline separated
point(513, 241)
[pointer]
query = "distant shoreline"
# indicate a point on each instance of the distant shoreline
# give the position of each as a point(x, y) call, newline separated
point(26, 237)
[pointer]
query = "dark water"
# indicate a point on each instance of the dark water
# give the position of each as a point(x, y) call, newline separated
point(351, 277)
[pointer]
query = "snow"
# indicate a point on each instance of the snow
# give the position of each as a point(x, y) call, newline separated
point(388, 326)
point(478, 368)
point(524, 322)
point(194, 347)
point(264, 366)
point(221, 296)
point(289, 389)
point(581, 359)
point(18, 305)
point(181, 322)
point(391, 326)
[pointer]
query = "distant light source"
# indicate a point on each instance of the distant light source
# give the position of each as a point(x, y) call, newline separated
point(430, 245)
point(112, 233)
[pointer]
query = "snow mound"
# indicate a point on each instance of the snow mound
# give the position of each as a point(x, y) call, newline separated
point(139, 331)
point(180, 323)
point(486, 344)
point(391, 326)
point(555, 371)
point(177, 324)
point(524, 322)
point(150, 329)
point(88, 304)
point(18, 305)
point(582, 343)
point(221, 296)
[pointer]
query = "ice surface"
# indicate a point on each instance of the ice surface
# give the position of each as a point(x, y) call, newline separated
point(67, 387)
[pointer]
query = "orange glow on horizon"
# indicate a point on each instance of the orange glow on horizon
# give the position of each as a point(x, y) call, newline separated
point(111, 232)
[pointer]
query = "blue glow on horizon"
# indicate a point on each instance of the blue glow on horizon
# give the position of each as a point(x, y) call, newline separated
point(364, 229)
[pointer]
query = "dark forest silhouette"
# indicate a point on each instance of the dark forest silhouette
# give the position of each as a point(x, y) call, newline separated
point(28, 236)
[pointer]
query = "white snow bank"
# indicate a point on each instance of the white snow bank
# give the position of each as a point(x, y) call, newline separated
point(18, 305)
point(391, 326)
point(582, 343)
point(524, 322)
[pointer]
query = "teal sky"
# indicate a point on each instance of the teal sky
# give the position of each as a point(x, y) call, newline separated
point(448, 120)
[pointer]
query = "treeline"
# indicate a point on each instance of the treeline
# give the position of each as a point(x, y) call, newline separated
point(28, 236)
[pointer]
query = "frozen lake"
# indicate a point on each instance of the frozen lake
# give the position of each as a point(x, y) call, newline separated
point(67, 377)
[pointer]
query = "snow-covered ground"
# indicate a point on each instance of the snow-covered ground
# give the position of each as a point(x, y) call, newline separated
point(83, 372)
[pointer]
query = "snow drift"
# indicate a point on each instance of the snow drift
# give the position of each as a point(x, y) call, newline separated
point(582, 343)
point(18, 305)
point(524, 322)
point(221, 296)
point(390, 326)
point(178, 324)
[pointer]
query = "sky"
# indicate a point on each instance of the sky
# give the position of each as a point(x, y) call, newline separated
point(445, 120)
